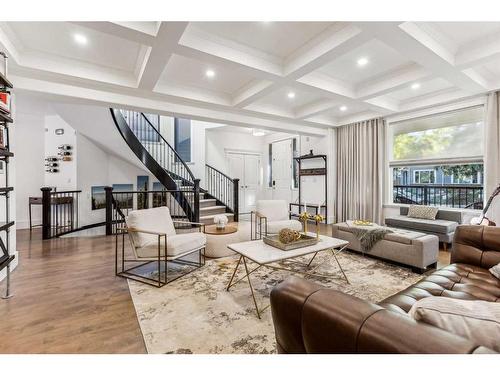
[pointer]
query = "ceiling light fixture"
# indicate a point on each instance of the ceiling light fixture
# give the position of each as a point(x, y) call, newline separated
point(415, 86)
point(291, 95)
point(343, 108)
point(258, 132)
point(210, 73)
point(80, 39)
point(362, 61)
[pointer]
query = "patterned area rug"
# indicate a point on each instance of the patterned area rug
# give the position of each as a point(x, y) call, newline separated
point(195, 314)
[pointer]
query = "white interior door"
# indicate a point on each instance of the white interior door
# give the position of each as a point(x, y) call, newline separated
point(245, 167)
point(282, 170)
point(252, 167)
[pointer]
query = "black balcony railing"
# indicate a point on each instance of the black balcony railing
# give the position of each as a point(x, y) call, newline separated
point(459, 196)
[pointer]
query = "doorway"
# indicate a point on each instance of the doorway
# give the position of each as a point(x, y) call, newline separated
point(246, 167)
point(282, 176)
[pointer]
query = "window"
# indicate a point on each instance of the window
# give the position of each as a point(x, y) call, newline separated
point(438, 159)
point(424, 176)
point(182, 138)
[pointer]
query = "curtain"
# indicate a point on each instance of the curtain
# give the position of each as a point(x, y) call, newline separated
point(491, 145)
point(360, 164)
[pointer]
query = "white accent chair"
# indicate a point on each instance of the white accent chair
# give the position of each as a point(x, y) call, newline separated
point(155, 241)
point(270, 217)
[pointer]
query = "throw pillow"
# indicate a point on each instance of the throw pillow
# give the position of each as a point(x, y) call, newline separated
point(423, 212)
point(495, 271)
point(478, 321)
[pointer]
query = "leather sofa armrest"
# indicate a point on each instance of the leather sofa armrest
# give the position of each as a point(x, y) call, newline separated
point(477, 245)
point(311, 319)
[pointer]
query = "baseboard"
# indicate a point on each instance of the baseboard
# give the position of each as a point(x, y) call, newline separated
point(26, 224)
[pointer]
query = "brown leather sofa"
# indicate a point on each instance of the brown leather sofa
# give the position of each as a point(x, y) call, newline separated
point(309, 318)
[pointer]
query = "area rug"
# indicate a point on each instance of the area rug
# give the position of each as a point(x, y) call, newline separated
point(195, 314)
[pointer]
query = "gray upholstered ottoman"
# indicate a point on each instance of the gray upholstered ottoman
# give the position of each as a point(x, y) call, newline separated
point(414, 249)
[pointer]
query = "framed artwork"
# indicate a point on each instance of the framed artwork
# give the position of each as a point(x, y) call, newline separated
point(125, 201)
point(142, 185)
point(98, 197)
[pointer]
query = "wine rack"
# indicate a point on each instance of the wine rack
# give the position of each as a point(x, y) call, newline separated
point(6, 256)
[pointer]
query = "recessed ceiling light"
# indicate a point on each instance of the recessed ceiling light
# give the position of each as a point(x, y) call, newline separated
point(415, 86)
point(291, 95)
point(210, 73)
point(258, 132)
point(80, 39)
point(343, 108)
point(362, 61)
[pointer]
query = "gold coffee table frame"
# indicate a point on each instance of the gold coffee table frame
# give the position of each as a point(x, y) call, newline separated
point(287, 257)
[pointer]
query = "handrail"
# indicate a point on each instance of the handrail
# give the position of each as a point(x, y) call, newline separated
point(218, 171)
point(170, 147)
point(155, 163)
point(223, 188)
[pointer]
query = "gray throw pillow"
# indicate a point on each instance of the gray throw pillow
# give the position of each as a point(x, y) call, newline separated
point(495, 271)
point(423, 212)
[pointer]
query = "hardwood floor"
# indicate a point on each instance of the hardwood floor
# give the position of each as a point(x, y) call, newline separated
point(67, 299)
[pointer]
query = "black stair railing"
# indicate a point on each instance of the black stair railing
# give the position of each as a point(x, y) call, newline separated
point(223, 188)
point(142, 135)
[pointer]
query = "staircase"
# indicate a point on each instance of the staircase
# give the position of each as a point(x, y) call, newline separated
point(141, 133)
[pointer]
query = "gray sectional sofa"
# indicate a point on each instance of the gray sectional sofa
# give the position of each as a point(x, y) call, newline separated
point(444, 226)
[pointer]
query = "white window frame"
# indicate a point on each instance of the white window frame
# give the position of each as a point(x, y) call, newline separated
point(190, 139)
point(423, 170)
point(389, 137)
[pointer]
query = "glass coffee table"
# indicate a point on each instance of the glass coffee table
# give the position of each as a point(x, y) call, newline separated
point(268, 256)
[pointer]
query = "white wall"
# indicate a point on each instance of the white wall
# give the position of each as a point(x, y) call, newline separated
point(29, 154)
point(65, 179)
point(220, 141)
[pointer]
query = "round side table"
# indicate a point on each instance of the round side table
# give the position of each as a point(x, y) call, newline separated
point(217, 239)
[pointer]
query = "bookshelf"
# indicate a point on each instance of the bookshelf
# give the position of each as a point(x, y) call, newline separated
point(6, 256)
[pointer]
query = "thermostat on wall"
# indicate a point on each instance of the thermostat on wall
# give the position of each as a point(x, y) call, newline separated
point(59, 131)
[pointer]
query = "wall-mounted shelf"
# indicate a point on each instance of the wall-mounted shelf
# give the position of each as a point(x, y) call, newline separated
point(312, 172)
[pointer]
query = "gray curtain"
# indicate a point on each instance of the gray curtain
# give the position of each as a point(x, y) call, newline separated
point(491, 145)
point(360, 170)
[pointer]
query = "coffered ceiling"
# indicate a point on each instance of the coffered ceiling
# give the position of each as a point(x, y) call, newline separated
point(279, 75)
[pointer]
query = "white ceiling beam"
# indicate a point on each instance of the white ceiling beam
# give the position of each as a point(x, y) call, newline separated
point(120, 30)
point(389, 105)
point(312, 109)
point(330, 44)
point(205, 47)
point(252, 92)
point(444, 96)
point(393, 81)
point(479, 52)
point(153, 105)
point(333, 89)
point(156, 59)
point(418, 46)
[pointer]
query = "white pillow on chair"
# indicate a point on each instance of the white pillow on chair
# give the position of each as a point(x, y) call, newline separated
point(274, 210)
point(152, 219)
